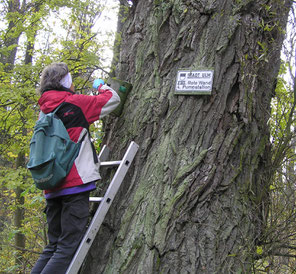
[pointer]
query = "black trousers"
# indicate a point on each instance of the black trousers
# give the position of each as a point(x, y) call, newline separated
point(67, 218)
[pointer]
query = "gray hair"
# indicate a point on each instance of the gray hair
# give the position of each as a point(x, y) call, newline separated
point(51, 77)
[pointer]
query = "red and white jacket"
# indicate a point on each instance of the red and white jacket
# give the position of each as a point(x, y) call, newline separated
point(77, 113)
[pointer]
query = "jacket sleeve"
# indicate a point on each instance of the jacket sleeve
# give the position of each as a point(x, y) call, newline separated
point(112, 103)
point(97, 106)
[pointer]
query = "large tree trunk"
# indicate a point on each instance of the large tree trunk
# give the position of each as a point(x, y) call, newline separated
point(195, 199)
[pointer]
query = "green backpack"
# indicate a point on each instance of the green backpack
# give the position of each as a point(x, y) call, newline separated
point(52, 153)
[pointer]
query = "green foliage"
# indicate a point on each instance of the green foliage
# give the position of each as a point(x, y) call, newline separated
point(96, 132)
point(33, 223)
point(282, 119)
point(31, 37)
point(34, 229)
point(277, 250)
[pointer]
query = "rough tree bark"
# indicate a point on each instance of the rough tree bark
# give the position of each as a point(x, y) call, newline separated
point(196, 197)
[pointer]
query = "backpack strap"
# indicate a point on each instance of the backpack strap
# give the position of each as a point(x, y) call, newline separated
point(58, 107)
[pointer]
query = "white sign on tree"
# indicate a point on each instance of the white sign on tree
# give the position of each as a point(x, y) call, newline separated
point(190, 82)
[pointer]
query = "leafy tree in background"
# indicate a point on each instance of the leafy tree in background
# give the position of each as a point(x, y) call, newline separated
point(28, 43)
point(17, 94)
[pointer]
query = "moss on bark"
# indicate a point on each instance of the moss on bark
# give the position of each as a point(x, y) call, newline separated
point(191, 202)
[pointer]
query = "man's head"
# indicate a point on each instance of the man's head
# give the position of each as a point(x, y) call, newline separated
point(56, 76)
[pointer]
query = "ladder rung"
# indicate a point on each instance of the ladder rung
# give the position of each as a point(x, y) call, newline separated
point(111, 163)
point(96, 199)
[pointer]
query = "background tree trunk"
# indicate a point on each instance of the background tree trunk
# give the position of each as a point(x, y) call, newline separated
point(196, 198)
point(19, 214)
point(12, 36)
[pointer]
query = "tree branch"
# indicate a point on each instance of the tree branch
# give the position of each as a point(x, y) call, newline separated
point(24, 249)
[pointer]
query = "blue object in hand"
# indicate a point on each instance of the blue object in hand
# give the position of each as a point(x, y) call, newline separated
point(98, 83)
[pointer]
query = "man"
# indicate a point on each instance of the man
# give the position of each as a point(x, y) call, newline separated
point(67, 206)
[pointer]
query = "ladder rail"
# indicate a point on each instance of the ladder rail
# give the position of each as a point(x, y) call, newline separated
point(104, 153)
point(102, 209)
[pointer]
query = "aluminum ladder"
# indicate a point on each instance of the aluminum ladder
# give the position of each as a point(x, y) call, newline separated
point(105, 203)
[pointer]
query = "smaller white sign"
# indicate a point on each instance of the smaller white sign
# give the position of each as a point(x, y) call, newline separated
point(190, 82)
